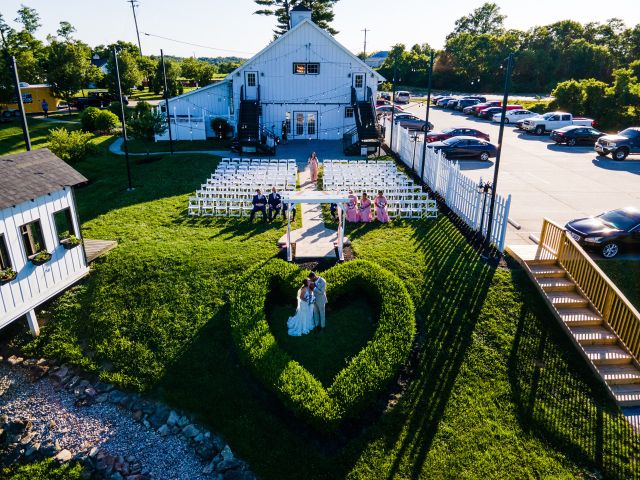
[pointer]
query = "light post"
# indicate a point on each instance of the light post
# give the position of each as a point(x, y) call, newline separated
point(496, 169)
point(426, 119)
point(166, 100)
point(393, 104)
point(124, 122)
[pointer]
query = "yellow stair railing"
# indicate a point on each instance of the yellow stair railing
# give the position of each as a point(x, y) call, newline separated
point(609, 301)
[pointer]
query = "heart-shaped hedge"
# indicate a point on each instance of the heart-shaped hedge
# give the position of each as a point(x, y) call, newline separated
point(367, 374)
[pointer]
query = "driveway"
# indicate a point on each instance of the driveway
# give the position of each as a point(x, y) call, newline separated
point(544, 179)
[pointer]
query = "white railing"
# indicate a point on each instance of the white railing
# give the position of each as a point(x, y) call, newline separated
point(461, 194)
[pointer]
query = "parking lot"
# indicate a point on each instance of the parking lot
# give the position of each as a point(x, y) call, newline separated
point(545, 179)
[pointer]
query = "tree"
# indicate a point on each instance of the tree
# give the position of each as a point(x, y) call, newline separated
point(29, 18)
point(321, 13)
point(146, 122)
point(484, 19)
point(65, 31)
point(201, 72)
point(570, 96)
point(173, 72)
point(147, 66)
point(130, 75)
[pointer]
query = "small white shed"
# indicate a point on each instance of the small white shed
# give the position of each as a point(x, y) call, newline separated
point(41, 251)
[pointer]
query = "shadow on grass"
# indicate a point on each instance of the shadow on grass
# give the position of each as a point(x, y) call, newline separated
point(559, 398)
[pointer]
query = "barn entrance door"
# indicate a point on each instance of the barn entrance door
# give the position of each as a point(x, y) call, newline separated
point(305, 125)
point(360, 84)
point(251, 85)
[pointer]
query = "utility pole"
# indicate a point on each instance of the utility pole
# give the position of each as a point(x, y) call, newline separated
point(496, 168)
point(166, 100)
point(426, 125)
point(23, 117)
point(124, 124)
point(365, 42)
point(134, 4)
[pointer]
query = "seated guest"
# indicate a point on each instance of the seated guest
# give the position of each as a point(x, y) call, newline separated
point(334, 211)
point(285, 207)
point(352, 208)
point(365, 208)
point(275, 204)
point(381, 208)
point(259, 205)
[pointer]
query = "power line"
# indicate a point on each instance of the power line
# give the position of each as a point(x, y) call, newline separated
point(195, 44)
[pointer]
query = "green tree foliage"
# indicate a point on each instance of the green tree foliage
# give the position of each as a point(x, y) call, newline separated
point(570, 95)
point(198, 70)
point(130, 75)
point(29, 18)
point(145, 122)
point(484, 19)
point(173, 73)
point(322, 13)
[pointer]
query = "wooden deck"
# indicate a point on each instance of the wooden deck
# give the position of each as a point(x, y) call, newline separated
point(97, 248)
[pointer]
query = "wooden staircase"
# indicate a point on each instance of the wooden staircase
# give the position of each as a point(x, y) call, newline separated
point(600, 346)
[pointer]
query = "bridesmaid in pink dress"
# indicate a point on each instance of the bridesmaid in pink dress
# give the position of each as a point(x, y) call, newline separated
point(352, 208)
point(381, 208)
point(365, 208)
point(313, 166)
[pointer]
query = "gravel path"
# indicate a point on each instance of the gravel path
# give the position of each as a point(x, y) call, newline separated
point(55, 418)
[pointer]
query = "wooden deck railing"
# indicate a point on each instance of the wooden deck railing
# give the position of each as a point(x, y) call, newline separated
point(616, 310)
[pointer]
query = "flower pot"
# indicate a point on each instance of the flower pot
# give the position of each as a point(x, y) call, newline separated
point(40, 258)
point(8, 278)
point(69, 244)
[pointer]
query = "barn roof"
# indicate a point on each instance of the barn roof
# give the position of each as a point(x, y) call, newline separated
point(29, 175)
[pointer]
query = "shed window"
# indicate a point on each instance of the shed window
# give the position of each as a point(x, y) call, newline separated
point(300, 68)
point(64, 223)
point(348, 112)
point(313, 68)
point(5, 261)
point(32, 238)
point(252, 79)
point(359, 81)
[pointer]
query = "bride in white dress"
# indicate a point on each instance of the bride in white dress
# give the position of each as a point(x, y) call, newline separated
point(302, 322)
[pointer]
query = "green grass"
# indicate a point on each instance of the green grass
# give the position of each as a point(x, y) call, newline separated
point(626, 275)
point(495, 389)
point(43, 470)
point(141, 146)
point(147, 94)
point(11, 139)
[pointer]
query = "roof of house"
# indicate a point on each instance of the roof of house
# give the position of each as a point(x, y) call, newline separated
point(99, 62)
point(383, 54)
point(26, 176)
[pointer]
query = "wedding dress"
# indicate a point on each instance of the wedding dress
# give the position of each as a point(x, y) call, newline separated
point(302, 322)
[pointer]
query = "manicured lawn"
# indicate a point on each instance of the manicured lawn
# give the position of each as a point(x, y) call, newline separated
point(43, 470)
point(494, 389)
point(140, 146)
point(147, 94)
point(626, 275)
point(11, 140)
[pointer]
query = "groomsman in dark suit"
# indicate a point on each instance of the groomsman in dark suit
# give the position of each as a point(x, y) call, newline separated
point(275, 204)
point(259, 205)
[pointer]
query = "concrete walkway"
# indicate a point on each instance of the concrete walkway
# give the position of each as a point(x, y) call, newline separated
point(314, 239)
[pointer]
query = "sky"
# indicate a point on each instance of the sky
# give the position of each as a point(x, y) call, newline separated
point(228, 27)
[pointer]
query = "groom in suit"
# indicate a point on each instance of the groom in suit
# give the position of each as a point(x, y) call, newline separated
point(320, 293)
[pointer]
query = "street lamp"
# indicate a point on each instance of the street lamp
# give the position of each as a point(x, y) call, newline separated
point(505, 99)
point(393, 104)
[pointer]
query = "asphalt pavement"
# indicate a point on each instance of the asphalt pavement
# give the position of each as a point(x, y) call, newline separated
point(545, 179)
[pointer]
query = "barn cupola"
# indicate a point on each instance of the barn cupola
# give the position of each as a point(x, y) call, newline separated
point(299, 14)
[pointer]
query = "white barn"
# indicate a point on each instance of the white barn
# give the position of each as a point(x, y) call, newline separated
point(304, 83)
point(40, 250)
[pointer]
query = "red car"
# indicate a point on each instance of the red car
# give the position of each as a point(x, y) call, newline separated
point(481, 106)
point(456, 132)
point(381, 101)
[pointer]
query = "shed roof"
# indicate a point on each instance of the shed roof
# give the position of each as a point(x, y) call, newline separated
point(29, 175)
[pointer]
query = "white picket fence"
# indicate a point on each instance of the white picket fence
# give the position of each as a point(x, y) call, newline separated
point(461, 194)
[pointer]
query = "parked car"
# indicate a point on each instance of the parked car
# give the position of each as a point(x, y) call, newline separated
point(444, 100)
point(456, 132)
point(515, 115)
point(385, 96)
point(385, 109)
point(481, 106)
point(466, 102)
point(407, 120)
point(402, 97)
point(469, 110)
point(609, 233)
point(97, 99)
point(437, 98)
point(381, 101)
point(620, 146)
point(554, 120)
point(452, 104)
point(475, 97)
point(575, 134)
point(487, 113)
point(520, 124)
point(465, 147)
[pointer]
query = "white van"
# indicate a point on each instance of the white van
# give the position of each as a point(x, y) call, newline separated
point(403, 97)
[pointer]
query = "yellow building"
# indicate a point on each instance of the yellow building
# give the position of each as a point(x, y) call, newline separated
point(32, 96)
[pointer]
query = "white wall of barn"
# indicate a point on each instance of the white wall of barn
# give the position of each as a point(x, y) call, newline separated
point(35, 284)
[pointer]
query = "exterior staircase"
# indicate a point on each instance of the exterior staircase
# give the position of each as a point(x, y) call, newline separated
point(252, 136)
point(600, 346)
point(367, 132)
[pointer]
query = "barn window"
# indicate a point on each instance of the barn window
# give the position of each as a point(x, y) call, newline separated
point(252, 79)
point(359, 81)
point(32, 238)
point(5, 261)
point(313, 68)
point(348, 112)
point(300, 68)
point(64, 223)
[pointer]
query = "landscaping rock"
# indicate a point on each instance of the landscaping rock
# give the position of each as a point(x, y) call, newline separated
point(173, 418)
point(60, 374)
point(190, 431)
point(64, 456)
point(164, 430)
point(13, 360)
point(183, 422)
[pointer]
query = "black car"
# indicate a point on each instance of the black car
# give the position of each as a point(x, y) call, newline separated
point(465, 147)
point(621, 145)
point(488, 113)
point(466, 102)
point(609, 232)
point(575, 135)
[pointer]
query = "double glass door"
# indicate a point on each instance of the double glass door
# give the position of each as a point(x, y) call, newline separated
point(305, 124)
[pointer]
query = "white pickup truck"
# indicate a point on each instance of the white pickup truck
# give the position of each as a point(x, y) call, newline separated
point(552, 121)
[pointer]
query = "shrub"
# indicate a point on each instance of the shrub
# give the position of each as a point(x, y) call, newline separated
point(88, 119)
point(570, 96)
point(70, 146)
point(116, 109)
point(106, 121)
point(366, 375)
point(145, 122)
point(221, 127)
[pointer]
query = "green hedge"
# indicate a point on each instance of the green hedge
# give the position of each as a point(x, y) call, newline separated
point(367, 374)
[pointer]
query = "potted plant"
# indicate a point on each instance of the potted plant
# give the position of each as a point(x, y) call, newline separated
point(40, 258)
point(7, 274)
point(70, 241)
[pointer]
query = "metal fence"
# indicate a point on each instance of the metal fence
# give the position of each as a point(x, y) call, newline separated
point(465, 197)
